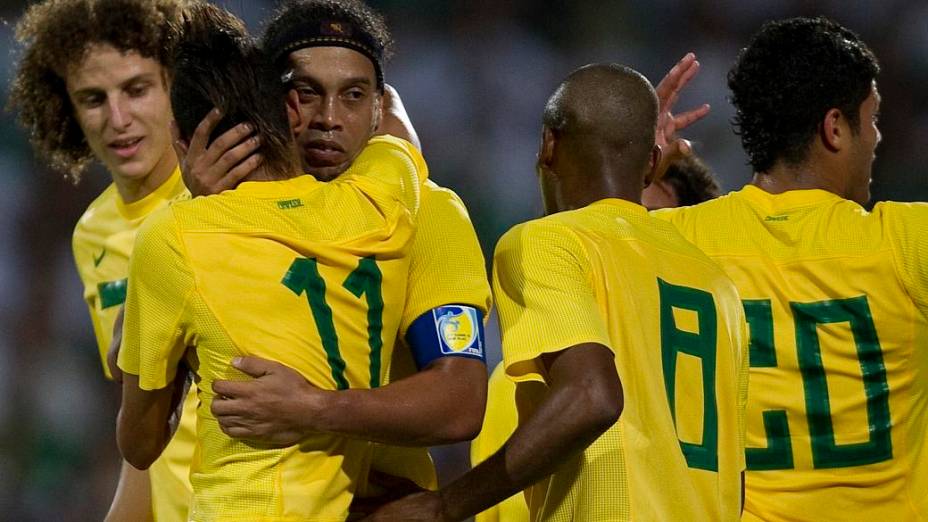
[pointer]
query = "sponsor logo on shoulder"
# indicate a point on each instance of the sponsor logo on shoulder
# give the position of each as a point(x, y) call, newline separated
point(459, 330)
point(782, 217)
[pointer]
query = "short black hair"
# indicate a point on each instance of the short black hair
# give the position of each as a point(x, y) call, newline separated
point(791, 74)
point(692, 181)
point(299, 24)
point(219, 65)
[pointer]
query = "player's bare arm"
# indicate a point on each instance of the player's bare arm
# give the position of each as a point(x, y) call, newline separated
point(584, 400)
point(280, 407)
point(148, 418)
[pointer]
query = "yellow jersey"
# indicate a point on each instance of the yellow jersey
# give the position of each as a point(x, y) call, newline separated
point(446, 267)
point(309, 274)
point(835, 298)
point(102, 241)
point(500, 421)
point(610, 274)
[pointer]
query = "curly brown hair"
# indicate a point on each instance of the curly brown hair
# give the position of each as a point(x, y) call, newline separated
point(55, 35)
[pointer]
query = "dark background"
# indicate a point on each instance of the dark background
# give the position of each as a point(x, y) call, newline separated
point(474, 75)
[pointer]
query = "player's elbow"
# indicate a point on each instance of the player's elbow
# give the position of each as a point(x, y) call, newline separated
point(137, 449)
point(465, 425)
point(601, 405)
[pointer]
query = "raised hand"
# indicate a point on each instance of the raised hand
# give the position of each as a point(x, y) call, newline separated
point(210, 168)
point(668, 123)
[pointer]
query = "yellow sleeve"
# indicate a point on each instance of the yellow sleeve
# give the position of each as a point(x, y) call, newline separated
point(390, 167)
point(157, 326)
point(545, 296)
point(446, 263)
point(907, 228)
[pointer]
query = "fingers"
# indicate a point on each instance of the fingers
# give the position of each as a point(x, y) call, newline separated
point(201, 135)
point(236, 175)
point(255, 366)
point(231, 389)
point(234, 157)
point(233, 146)
point(682, 121)
point(671, 81)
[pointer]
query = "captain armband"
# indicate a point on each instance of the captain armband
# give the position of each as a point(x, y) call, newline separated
point(447, 331)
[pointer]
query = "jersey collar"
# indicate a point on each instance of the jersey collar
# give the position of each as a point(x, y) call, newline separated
point(624, 204)
point(787, 200)
point(172, 187)
point(273, 189)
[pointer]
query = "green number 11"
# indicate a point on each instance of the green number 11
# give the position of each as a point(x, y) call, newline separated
point(366, 280)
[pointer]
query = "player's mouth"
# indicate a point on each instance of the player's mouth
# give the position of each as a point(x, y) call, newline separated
point(126, 148)
point(323, 153)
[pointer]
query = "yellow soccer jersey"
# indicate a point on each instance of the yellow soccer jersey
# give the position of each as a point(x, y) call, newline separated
point(499, 423)
point(836, 299)
point(103, 241)
point(446, 267)
point(610, 274)
point(309, 274)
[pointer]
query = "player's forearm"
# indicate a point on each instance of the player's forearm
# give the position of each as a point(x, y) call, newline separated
point(144, 426)
point(442, 404)
point(567, 422)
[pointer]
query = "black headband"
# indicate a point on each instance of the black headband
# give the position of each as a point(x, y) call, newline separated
point(330, 33)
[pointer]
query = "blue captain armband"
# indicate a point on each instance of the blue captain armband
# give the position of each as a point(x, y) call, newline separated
point(447, 331)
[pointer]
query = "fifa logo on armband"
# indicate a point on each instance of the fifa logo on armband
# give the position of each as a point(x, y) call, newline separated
point(459, 330)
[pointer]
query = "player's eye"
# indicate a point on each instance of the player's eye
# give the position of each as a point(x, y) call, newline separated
point(306, 94)
point(91, 101)
point(354, 94)
point(137, 90)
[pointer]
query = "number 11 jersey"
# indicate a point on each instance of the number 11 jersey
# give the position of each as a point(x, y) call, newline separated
point(310, 274)
point(835, 299)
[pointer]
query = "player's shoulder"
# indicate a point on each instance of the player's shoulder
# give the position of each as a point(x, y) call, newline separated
point(99, 213)
point(386, 146)
point(442, 201)
point(714, 208)
point(552, 232)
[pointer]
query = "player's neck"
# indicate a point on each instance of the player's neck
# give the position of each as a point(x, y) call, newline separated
point(784, 178)
point(583, 189)
point(281, 172)
point(132, 189)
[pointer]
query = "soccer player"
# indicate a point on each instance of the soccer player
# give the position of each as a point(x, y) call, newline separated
point(618, 318)
point(284, 267)
point(93, 85)
point(333, 53)
point(688, 181)
point(835, 296)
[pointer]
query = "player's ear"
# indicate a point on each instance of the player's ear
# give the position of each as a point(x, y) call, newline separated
point(654, 165)
point(835, 130)
point(294, 115)
point(378, 112)
point(546, 152)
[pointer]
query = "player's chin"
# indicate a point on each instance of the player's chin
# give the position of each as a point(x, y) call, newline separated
point(325, 172)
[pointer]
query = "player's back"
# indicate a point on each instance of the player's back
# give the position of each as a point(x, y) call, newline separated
point(674, 322)
point(835, 298)
point(309, 274)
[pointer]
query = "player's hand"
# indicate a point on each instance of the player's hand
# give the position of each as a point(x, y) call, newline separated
point(668, 124)
point(389, 488)
point(210, 168)
point(112, 354)
point(276, 407)
point(418, 507)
